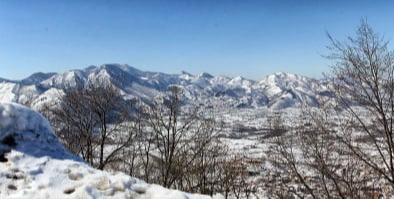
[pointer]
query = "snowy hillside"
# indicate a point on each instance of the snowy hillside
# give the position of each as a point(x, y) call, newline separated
point(33, 164)
point(276, 91)
point(286, 90)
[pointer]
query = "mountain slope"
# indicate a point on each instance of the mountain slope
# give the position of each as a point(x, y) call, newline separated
point(286, 90)
point(277, 91)
point(33, 164)
point(37, 78)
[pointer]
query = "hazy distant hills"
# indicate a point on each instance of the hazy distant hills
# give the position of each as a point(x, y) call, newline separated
point(277, 91)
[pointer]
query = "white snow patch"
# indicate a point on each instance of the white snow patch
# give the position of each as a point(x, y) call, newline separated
point(7, 94)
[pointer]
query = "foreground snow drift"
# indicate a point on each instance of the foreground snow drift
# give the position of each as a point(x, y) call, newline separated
point(33, 164)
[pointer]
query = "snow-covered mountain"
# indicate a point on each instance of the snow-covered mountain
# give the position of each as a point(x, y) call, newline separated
point(33, 164)
point(37, 77)
point(280, 90)
point(286, 90)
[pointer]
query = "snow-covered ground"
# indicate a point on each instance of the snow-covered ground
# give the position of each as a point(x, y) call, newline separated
point(33, 164)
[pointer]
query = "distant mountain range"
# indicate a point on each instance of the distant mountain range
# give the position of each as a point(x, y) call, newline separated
point(277, 91)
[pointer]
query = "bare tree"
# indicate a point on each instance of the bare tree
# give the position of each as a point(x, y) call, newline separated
point(91, 120)
point(345, 149)
point(315, 164)
point(74, 131)
point(181, 145)
point(203, 171)
point(363, 75)
point(169, 135)
point(146, 140)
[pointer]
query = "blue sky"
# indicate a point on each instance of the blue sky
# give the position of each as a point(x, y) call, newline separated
point(247, 38)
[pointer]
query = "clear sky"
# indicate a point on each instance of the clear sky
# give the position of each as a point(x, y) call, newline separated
point(247, 38)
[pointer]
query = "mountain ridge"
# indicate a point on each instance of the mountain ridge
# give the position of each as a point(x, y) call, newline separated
point(280, 90)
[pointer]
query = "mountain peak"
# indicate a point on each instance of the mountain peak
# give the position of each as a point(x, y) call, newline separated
point(285, 75)
point(111, 66)
point(205, 75)
point(37, 77)
point(186, 76)
point(240, 81)
point(185, 73)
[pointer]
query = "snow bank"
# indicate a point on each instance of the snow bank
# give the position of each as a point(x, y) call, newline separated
point(7, 94)
point(33, 164)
